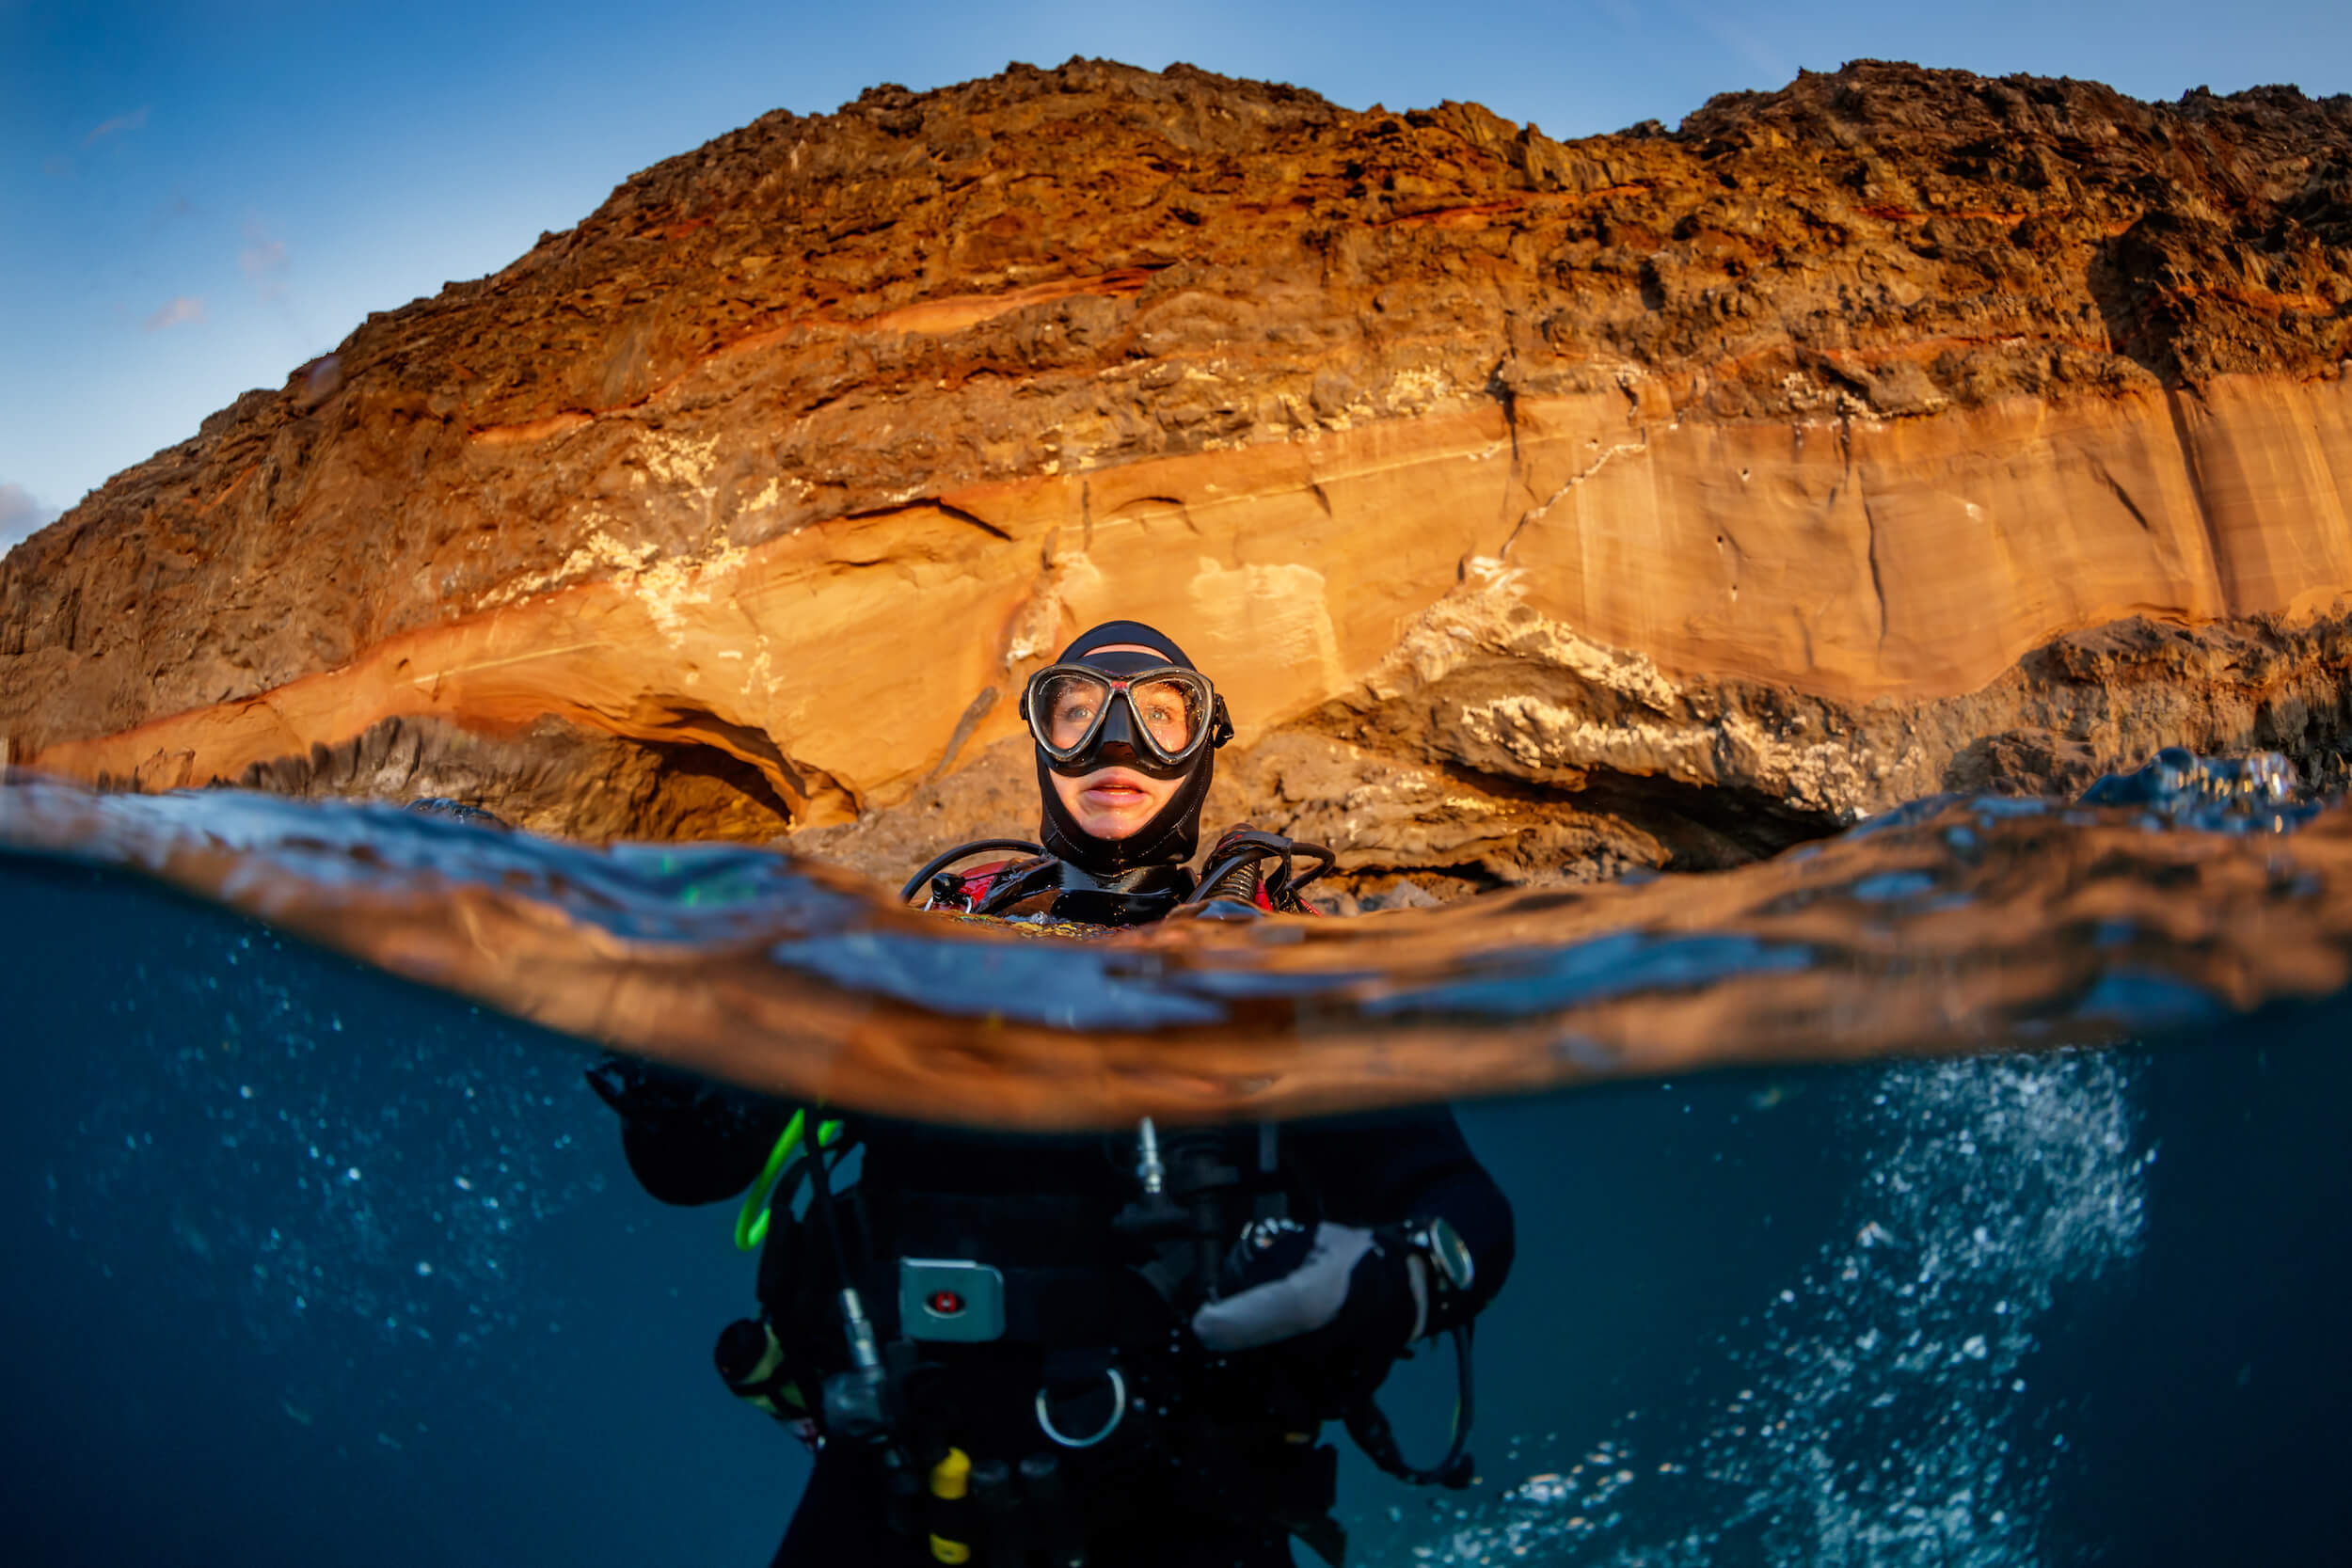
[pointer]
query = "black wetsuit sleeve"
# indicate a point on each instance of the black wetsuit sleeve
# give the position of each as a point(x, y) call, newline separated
point(1394, 1167)
point(688, 1140)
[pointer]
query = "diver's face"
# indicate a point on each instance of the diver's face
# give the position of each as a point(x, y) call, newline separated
point(1115, 802)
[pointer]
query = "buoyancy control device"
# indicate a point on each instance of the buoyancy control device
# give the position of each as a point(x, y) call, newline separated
point(1016, 1400)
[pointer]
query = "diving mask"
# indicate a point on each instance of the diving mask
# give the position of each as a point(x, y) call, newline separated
point(1163, 713)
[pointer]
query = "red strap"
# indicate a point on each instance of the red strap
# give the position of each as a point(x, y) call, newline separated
point(978, 880)
point(1265, 902)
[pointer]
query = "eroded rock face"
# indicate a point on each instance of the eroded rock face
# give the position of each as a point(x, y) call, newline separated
point(1544, 508)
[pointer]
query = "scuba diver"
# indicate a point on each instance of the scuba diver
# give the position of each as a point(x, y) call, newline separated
point(1029, 1351)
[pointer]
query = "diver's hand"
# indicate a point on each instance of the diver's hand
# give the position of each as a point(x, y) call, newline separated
point(1338, 1292)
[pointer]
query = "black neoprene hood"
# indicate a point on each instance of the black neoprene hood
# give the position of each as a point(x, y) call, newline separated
point(1173, 833)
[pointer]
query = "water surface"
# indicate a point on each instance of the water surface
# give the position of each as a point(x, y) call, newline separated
point(316, 1263)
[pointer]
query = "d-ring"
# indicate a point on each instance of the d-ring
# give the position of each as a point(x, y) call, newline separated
point(1118, 1413)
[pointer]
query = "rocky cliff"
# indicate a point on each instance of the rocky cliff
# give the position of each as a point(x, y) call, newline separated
point(1545, 508)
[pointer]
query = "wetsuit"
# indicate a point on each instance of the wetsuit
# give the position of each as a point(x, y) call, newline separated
point(1306, 1256)
point(920, 1185)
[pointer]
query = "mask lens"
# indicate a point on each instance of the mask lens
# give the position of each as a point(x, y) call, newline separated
point(1066, 707)
point(1169, 711)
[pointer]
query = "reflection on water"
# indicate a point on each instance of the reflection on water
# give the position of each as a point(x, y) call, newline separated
point(290, 1218)
point(1952, 925)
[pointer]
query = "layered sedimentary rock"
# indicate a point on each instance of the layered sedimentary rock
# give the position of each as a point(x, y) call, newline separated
point(1544, 508)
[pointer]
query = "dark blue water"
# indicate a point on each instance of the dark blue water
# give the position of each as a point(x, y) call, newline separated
point(310, 1265)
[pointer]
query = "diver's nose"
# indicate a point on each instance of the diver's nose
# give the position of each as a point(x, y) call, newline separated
point(1117, 743)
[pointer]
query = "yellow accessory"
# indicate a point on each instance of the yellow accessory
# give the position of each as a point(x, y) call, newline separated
point(951, 1478)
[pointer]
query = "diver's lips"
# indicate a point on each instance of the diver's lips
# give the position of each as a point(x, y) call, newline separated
point(1114, 793)
point(1122, 781)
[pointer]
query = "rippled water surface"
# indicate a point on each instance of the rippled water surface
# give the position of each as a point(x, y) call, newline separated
point(316, 1264)
point(1952, 925)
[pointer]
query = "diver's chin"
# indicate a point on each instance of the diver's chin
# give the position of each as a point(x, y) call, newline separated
point(1114, 824)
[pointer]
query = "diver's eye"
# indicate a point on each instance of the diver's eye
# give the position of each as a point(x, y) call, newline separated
point(1071, 722)
point(1167, 713)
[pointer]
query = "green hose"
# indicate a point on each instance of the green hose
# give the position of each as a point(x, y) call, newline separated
point(751, 1225)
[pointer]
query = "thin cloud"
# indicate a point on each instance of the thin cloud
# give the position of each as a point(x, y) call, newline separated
point(263, 262)
point(1736, 40)
point(135, 121)
point(180, 312)
point(21, 516)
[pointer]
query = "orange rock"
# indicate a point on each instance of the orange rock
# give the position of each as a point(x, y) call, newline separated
point(1813, 454)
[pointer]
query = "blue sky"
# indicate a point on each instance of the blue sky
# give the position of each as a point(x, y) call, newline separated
point(201, 197)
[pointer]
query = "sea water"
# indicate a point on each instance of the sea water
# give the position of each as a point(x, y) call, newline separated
point(1968, 1189)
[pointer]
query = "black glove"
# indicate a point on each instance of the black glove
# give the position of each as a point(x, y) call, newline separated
point(1337, 1303)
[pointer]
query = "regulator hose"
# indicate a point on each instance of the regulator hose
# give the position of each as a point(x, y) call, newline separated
point(1237, 870)
point(939, 862)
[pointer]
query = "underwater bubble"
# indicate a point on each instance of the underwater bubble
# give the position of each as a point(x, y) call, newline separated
point(2056, 1194)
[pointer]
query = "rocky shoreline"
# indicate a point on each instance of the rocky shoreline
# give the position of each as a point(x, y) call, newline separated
point(1548, 508)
